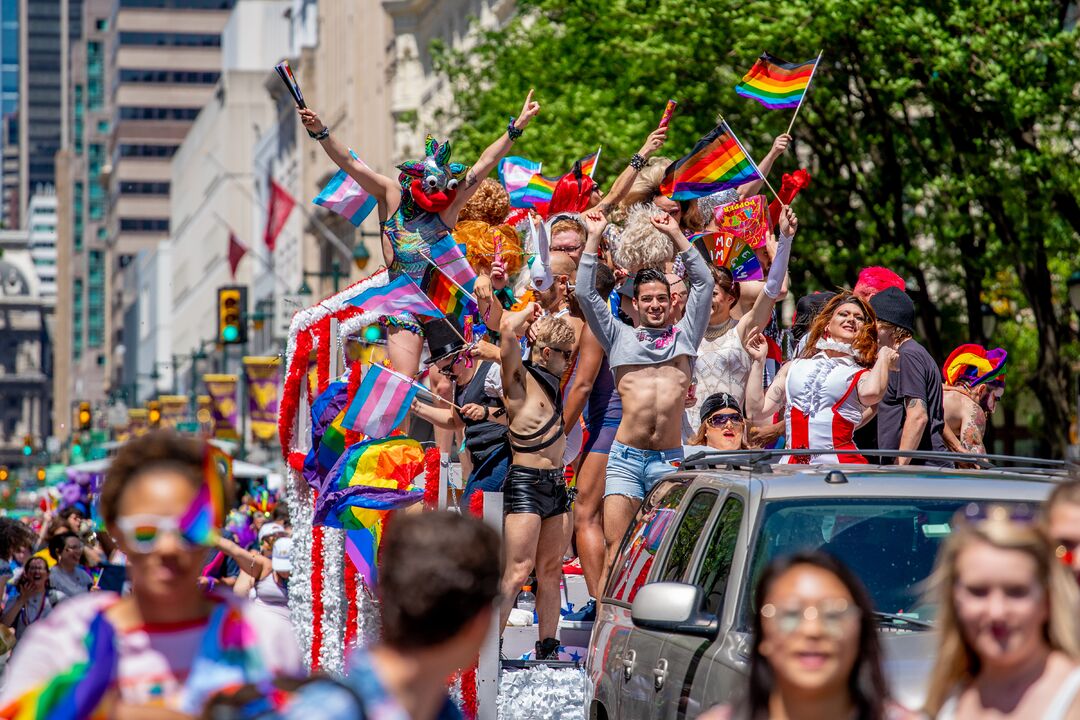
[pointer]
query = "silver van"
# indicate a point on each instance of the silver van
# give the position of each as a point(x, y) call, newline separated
point(671, 637)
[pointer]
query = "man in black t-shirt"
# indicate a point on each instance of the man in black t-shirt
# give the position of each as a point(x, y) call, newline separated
point(911, 415)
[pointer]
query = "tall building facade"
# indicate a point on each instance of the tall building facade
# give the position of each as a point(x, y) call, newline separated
point(9, 111)
point(41, 239)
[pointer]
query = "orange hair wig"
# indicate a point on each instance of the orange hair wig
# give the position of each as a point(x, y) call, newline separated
point(480, 238)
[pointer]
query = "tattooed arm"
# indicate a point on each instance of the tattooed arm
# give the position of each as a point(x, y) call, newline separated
point(972, 429)
point(915, 420)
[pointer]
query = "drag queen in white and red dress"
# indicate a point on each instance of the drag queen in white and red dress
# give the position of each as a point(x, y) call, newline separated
point(829, 391)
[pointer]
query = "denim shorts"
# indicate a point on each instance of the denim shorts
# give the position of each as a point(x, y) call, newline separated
point(633, 472)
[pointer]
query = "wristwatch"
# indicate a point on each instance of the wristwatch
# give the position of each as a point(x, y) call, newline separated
point(321, 135)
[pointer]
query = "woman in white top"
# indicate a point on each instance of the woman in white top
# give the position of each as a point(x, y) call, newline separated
point(829, 391)
point(1008, 617)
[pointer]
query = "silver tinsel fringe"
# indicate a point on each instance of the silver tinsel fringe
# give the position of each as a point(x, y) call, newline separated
point(542, 693)
point(298, 498)
point(335, 604)
point(367, 615)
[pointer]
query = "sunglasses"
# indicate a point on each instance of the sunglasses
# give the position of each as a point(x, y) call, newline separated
point(144, 532)
point(721, 419)
point(565, 353)
point(1018, 513)
point(835, 616)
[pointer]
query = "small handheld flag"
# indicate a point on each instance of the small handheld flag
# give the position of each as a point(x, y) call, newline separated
point(205, 517)
point(777, 84)
point(400, 295)
point(450, 298)
point(344, 196)
point(447, 256)
point(716, 163)
point(287, 77)
point(381, 402)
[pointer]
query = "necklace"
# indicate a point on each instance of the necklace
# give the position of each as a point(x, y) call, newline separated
point(712, 332)
point(24, 616)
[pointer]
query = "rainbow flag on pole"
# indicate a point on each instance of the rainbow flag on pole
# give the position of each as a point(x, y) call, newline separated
point(777, 84)
point(716, 163)
point(344, 196)
point(400, 295)
point(381, 403)
point(447, 256)
point(514, 175)
point(454, 302)
point(588, 163)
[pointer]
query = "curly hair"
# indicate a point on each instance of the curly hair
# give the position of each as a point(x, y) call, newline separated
point(865, 343)
point(14, 535)
point(158, 450)
point(647, 183)
point(550, 331)
point(641, 245)
point(479, 238)
point(490, 204)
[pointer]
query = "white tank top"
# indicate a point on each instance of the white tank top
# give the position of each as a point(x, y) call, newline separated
point(1056, 710)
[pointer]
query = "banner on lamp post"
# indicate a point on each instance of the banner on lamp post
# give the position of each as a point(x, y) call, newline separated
point(173, 409)
point(262, 376)
point(223, 407)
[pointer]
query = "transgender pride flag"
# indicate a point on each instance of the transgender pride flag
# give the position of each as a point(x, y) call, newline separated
point(344, 196)
point(381, 403)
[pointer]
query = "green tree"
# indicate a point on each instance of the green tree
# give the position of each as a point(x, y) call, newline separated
point(941, 137)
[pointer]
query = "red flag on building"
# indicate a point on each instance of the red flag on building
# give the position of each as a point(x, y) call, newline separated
point(281, 204)
point(237, 250)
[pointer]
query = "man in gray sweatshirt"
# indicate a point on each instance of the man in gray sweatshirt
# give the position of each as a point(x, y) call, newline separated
point(653, 367)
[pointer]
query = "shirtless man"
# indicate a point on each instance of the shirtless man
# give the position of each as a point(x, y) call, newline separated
point(653, 367)
point(535, 500)
point(974, 384)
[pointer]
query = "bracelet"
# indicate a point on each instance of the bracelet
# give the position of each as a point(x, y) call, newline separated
point(512, 131)
point(637, 162)
point(321, 135)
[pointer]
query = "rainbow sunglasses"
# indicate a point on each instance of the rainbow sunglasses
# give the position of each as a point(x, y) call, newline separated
point(144, 532)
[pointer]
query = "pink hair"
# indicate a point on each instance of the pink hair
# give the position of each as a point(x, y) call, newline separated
point(874, 279)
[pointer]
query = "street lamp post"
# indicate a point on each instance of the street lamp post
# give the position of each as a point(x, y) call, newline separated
point(335, 275)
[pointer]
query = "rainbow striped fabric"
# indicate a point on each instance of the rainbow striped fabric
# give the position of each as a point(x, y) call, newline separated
point(381, 402)
point(588, 163)
point(527, 187)
point(344, 196)
point(447, 255)
point(78, 692)
point(372, 475)
point(716, 163)
point(205, 517)
point(452, 300)
point(777, 84)
point(400, 295)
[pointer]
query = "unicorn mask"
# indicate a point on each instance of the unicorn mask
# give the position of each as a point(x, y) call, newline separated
point(433, 181)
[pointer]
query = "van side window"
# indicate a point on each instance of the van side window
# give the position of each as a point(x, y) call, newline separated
point(687, 536)
point(715, 568)
point(635, 558)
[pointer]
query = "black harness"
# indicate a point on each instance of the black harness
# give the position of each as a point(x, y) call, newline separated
point(550, 383)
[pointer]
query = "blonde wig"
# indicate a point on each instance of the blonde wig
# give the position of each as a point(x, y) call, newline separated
point(640, 244)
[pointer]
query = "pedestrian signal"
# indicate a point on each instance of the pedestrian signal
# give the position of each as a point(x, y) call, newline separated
point(232, 307)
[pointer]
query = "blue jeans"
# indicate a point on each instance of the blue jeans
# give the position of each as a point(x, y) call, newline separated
point(633, 472)
point(488, 473)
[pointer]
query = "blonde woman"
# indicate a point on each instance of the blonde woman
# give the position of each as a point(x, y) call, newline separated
point(1010, 638)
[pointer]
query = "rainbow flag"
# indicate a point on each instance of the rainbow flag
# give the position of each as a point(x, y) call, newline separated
point(372, 475)
point(448, 257)
point(588, 163)
point(344, 196)
point(777, 84)
point(400, 295)
point(514, 175)
point(78, 692)
point(716, 163)
point(452, 300)
point(205, 517)
point(362, 549)
point(381, 402)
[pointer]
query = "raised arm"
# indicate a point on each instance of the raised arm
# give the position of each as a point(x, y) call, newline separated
point(699, 280)
point(595, 308)
point(253, 563)
point(758, 317)
point(626, 178)
point(779, 147)
point(513, 326)
point(761, 406)
point(385, 190)
point(490, 158)
point(872, 385)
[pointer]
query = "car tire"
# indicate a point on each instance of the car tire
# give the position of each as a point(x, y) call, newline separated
point(597, 711)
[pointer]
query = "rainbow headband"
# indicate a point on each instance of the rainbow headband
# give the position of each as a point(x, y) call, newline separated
point(975, 363)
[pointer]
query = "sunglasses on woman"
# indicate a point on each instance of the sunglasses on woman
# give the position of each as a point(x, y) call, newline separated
point(721, 419)
point(835, 616)
point(144, 532)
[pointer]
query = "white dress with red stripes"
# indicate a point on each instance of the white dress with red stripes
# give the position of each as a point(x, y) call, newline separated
point(823, 408)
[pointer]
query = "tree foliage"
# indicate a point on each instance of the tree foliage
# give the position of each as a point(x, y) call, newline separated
point(941, 137)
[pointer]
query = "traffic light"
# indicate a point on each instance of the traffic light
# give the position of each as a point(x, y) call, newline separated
point(40, 475)
point(232, 307)
point(4, 474)
point(86, 417)
point(28, 445)
point(153, 413)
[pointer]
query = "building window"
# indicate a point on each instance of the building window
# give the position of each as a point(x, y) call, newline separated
point(144, 225)
point(77, 319)
point(103, 127)
point(95, 298)
point(180, 77)
point(171, 39)
point(97, 201)
point(144, 188)
point(77, 211)
point(148, 113)
point(149, 151)
point(94, 75)
point(101, 24)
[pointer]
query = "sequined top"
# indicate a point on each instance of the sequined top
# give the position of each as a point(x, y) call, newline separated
point(411, 238)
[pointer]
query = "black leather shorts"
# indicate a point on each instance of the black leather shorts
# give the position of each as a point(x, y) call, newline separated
point(540, 492)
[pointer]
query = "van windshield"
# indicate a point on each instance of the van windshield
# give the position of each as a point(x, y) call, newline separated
point(889, 543)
